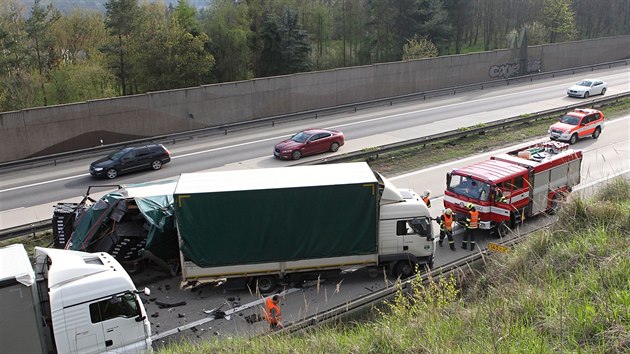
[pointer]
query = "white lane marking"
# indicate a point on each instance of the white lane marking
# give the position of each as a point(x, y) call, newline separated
point(268, 139)
point(42, 183)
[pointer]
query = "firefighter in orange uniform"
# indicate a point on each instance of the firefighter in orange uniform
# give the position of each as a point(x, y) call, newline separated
point(446, 228)
point(425, 198)
point(472, 225)
point(272, 312)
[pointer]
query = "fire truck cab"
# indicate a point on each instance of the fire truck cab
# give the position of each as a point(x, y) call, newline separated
point(509, 188)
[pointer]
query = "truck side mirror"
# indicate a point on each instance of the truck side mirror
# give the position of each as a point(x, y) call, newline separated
point(147, 291)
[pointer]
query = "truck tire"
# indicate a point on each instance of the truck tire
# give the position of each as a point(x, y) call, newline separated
point(266, 283)
point(404, 269)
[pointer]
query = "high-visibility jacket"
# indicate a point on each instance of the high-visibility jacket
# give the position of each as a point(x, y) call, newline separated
point(472, 221)
point(446, 223)
point(272, 311)
point(427, 201)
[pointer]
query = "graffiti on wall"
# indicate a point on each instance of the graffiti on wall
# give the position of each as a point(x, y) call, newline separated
point(508, 70)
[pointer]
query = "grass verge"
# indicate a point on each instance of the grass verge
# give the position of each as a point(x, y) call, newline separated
point(566, 289)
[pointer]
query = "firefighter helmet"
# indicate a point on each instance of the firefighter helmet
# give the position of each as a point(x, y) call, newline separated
point(470, 206)
point(426, 193)
point(448, 211)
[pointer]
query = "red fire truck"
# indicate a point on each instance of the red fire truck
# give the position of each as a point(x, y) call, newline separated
point(514, 186)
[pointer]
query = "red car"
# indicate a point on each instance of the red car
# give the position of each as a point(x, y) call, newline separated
point(309, 142)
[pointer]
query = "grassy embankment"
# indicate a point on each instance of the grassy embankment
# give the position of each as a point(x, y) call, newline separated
point(566, 290)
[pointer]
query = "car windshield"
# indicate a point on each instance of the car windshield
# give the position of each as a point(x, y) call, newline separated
point(570, 120)
point(585, 83)
point(469, 187)
point(300, 137)
point(119, 154)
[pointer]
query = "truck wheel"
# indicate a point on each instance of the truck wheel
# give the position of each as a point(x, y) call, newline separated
point(404, 269)
point(596, 133)
point(503, 229)
point(112, 173)
point(266, 283)
point(296, 155)
point(334, 147)
point(156, 165)
point(573, 139)
point(133, 267)
point(556, 203)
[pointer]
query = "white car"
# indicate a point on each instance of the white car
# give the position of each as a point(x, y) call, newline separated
point(587, 87)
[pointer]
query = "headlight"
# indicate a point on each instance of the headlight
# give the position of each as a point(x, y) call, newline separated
point(286, 151)
point(98, 169)
point(548, 131)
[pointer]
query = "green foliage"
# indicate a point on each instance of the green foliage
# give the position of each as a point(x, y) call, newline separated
point(76, 83)
point(38, 28)
point(418, 48)
point(228, 27)
point(559, 20)
point(285, 48)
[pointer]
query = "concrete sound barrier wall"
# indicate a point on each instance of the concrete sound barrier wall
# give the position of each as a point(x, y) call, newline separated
point(47, 130)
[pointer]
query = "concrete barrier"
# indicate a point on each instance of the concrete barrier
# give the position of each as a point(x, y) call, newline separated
point(55, 129)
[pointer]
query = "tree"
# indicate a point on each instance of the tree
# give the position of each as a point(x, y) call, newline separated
point(186, 17)
point(122, 18)
point(418, 48)
point(166, 56)
point(228, 26)
point(559, 20)
point(78, 36)
point(38, 27)
point(286, 49)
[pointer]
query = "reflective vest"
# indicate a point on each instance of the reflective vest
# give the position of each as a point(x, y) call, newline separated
point(447, 222)
point(472, 222)
point(427, 201)
point(269, 307)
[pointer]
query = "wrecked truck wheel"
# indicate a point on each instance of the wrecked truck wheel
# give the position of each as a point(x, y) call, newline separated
point(265, 283)
point(133, 267)
point(404, 269)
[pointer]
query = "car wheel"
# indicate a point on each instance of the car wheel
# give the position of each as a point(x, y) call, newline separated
point(603, 91)
point(586, 94)
point(597, 132)
point(112, 173)
point(404, 269)
point(334, 147)
point(296, 155)
point(156, 165)
point(573, 139)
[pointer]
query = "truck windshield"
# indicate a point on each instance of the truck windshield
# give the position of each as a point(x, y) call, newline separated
point(469, 187)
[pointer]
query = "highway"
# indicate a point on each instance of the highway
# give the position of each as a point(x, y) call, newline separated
point(253, 148)
point(43, 186)
point(604, 158)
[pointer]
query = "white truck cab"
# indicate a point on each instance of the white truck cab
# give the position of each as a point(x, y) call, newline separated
point(78, 303)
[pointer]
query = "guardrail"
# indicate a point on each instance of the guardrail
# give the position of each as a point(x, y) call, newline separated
point(481, 129)
point(379, 296)
point(43, 225)
point(315, 113)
